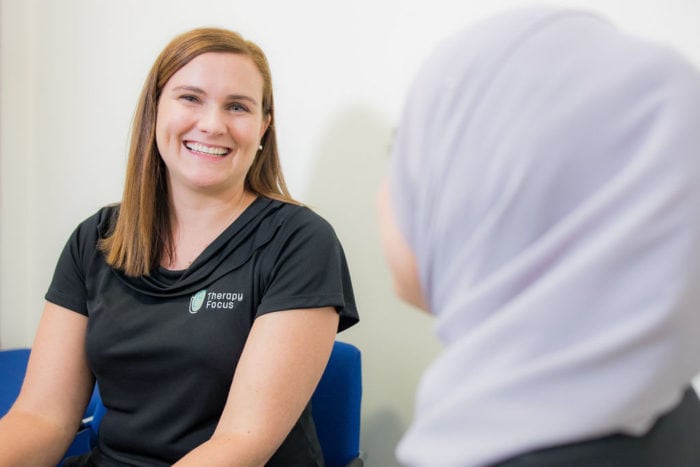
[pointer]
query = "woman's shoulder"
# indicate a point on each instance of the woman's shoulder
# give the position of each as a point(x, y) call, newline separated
point(99, 224)
point(299, 216)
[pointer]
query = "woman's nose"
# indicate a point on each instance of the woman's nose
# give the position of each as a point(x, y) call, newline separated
point(211, 121)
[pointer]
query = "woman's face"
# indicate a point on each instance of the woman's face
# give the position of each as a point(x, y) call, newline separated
point(398, 254)
point(210, 122)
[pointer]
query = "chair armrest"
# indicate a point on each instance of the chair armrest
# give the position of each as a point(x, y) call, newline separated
point(357, 462)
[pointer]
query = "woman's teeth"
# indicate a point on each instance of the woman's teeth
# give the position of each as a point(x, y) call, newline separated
point(206, 149)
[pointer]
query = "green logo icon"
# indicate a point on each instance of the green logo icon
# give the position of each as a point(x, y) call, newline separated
point(197, 301)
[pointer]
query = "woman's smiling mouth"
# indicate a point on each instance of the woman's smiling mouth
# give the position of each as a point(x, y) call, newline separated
point(207, 150)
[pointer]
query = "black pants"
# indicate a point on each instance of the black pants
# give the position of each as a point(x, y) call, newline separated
point(673, 441)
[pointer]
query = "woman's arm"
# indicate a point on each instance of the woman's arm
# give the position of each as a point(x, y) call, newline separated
point(46, 415)
point(281, 364)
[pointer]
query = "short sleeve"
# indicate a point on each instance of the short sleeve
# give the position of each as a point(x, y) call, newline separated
point(308, 269)
point(68, 285)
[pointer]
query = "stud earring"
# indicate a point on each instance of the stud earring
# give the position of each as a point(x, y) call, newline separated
point(260, 148)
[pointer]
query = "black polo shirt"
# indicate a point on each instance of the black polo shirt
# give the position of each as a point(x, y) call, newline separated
point(164, 348)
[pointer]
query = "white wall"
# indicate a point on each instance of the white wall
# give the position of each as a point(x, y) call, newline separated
point(70, 74)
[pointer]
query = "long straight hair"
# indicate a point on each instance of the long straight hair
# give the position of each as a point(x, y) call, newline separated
point(142, 233)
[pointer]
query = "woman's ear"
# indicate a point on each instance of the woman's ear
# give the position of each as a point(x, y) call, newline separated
point(266, 124)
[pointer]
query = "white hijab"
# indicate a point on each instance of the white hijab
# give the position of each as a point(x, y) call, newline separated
point(546, 173)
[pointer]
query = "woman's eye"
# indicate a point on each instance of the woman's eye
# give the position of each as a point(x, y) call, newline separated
point(189, 98)
point(236, 107)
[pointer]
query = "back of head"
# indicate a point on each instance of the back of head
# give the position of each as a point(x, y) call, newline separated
point(546, 175)
point(534, 132)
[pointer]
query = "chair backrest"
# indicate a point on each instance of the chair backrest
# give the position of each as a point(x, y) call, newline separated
point(13, 365)
point(336, 406)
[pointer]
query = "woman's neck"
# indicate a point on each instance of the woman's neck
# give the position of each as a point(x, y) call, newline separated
point(197, 221)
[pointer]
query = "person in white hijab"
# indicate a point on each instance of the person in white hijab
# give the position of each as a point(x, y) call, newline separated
point(543, 204)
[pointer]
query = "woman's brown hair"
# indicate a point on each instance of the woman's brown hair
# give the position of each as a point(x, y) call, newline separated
point(141, 235)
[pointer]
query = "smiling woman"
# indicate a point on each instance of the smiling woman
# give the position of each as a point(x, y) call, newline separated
point(210, 123)
point(209, 126)
point(208, 288)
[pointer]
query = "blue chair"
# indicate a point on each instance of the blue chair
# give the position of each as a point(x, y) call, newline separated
point(335, 405)
point(335, 408)
point(13, 365)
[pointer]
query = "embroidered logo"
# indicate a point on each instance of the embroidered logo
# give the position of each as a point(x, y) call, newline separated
point(197, 300)
point(214, 300)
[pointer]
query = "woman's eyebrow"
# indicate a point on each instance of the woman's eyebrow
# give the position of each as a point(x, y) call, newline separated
point(241, 97)
point(194, 89)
